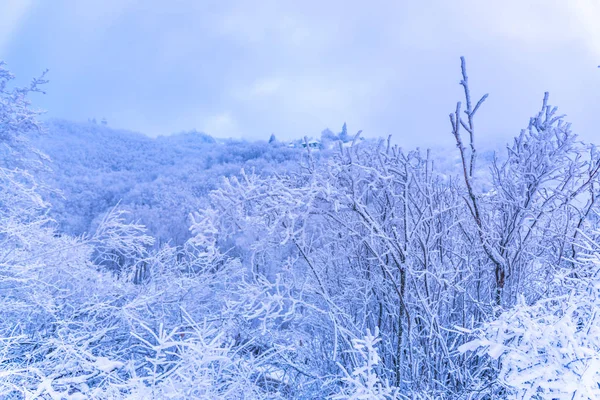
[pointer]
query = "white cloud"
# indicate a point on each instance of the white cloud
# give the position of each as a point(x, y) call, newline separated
point(266, 87)
point(586, 14)
point(541, 24)
point(12, 13)
point(220, 125)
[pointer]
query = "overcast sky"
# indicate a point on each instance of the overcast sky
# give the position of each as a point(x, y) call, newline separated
point(248, 68)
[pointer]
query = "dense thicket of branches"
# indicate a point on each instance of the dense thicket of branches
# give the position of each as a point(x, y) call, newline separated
point(363, 273)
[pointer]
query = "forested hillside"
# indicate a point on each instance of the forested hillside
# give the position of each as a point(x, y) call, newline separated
point(188, 267)
point(158, 181)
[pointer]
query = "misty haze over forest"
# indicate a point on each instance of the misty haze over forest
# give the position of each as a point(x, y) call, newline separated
point(275, 200)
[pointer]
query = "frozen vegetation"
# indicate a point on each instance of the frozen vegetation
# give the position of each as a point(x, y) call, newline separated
point(186, 267)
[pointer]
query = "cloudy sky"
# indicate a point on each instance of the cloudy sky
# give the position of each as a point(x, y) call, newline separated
point(247, 68)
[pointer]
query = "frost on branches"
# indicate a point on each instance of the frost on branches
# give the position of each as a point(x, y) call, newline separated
point(477, 282)
point(549, 349)
point(363, 382)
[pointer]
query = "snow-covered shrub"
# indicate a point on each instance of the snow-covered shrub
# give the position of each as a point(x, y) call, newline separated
point(364, 383)
point(549, 349)
point(72, 328)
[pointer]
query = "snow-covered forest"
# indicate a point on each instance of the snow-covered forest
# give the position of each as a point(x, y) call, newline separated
point(189, 267)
